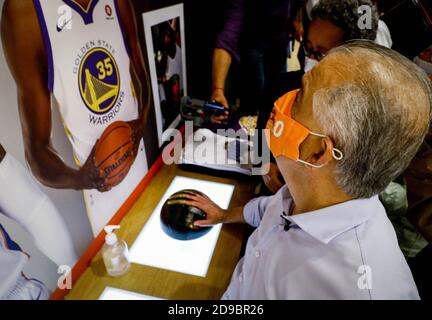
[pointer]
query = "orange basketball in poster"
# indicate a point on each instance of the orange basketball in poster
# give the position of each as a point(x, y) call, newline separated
point(114, 152)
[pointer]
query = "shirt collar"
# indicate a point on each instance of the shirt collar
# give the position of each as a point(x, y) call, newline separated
point(327, 223)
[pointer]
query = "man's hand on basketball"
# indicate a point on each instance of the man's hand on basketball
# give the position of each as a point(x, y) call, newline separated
point(91, 177)
point(215, 214)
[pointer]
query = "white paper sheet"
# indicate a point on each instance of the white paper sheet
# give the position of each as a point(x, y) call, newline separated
point(154, 248)
point(119, 294)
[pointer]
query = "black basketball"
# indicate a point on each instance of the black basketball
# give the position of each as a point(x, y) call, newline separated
point(177, 218)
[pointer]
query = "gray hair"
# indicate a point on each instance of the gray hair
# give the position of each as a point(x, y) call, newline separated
point(345, 15)
point(378, 115)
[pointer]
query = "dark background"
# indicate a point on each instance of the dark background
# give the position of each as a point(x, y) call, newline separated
point(203, 19)
point(410, 24)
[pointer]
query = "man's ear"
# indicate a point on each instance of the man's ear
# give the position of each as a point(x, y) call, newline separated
point(324, 155)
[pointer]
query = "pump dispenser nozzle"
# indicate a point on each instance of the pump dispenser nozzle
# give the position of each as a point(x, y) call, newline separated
point(111, 237)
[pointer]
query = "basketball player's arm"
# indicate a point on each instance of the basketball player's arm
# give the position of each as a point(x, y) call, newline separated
point(137, 63)
point(26, 57)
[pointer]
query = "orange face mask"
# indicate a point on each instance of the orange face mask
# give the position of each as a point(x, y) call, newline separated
point(285, 135)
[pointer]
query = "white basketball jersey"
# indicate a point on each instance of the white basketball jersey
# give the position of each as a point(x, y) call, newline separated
point(89, 68)
point(90, 81)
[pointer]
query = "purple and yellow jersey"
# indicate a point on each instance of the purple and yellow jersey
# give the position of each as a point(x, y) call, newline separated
point(89, 68)
point(90, 82)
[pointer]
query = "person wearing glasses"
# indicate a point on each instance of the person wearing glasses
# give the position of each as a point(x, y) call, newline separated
point(336, 21)
point(328, 24)
point(332, 22)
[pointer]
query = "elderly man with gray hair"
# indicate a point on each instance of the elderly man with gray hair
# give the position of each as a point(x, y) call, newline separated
point(353, 127)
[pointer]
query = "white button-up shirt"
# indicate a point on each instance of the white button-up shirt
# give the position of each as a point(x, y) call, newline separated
point(345, 251)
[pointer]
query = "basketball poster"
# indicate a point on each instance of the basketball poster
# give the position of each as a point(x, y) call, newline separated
point(92, 103)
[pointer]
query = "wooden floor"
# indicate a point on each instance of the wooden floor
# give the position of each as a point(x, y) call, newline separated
point(164, 283)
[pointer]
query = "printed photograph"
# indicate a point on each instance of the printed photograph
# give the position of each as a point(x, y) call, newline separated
point(164, 33)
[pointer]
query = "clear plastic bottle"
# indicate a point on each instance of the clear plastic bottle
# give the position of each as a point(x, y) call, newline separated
point(115, 253)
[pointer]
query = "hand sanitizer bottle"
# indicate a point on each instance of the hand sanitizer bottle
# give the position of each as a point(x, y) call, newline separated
point(115, 253)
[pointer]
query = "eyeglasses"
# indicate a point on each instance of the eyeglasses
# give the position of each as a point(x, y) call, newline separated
point(317, 55)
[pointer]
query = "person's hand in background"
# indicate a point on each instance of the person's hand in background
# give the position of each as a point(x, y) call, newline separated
point(273, 179)
point(218, 95)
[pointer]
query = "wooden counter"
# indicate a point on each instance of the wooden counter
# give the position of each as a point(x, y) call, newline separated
point(164, 283)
